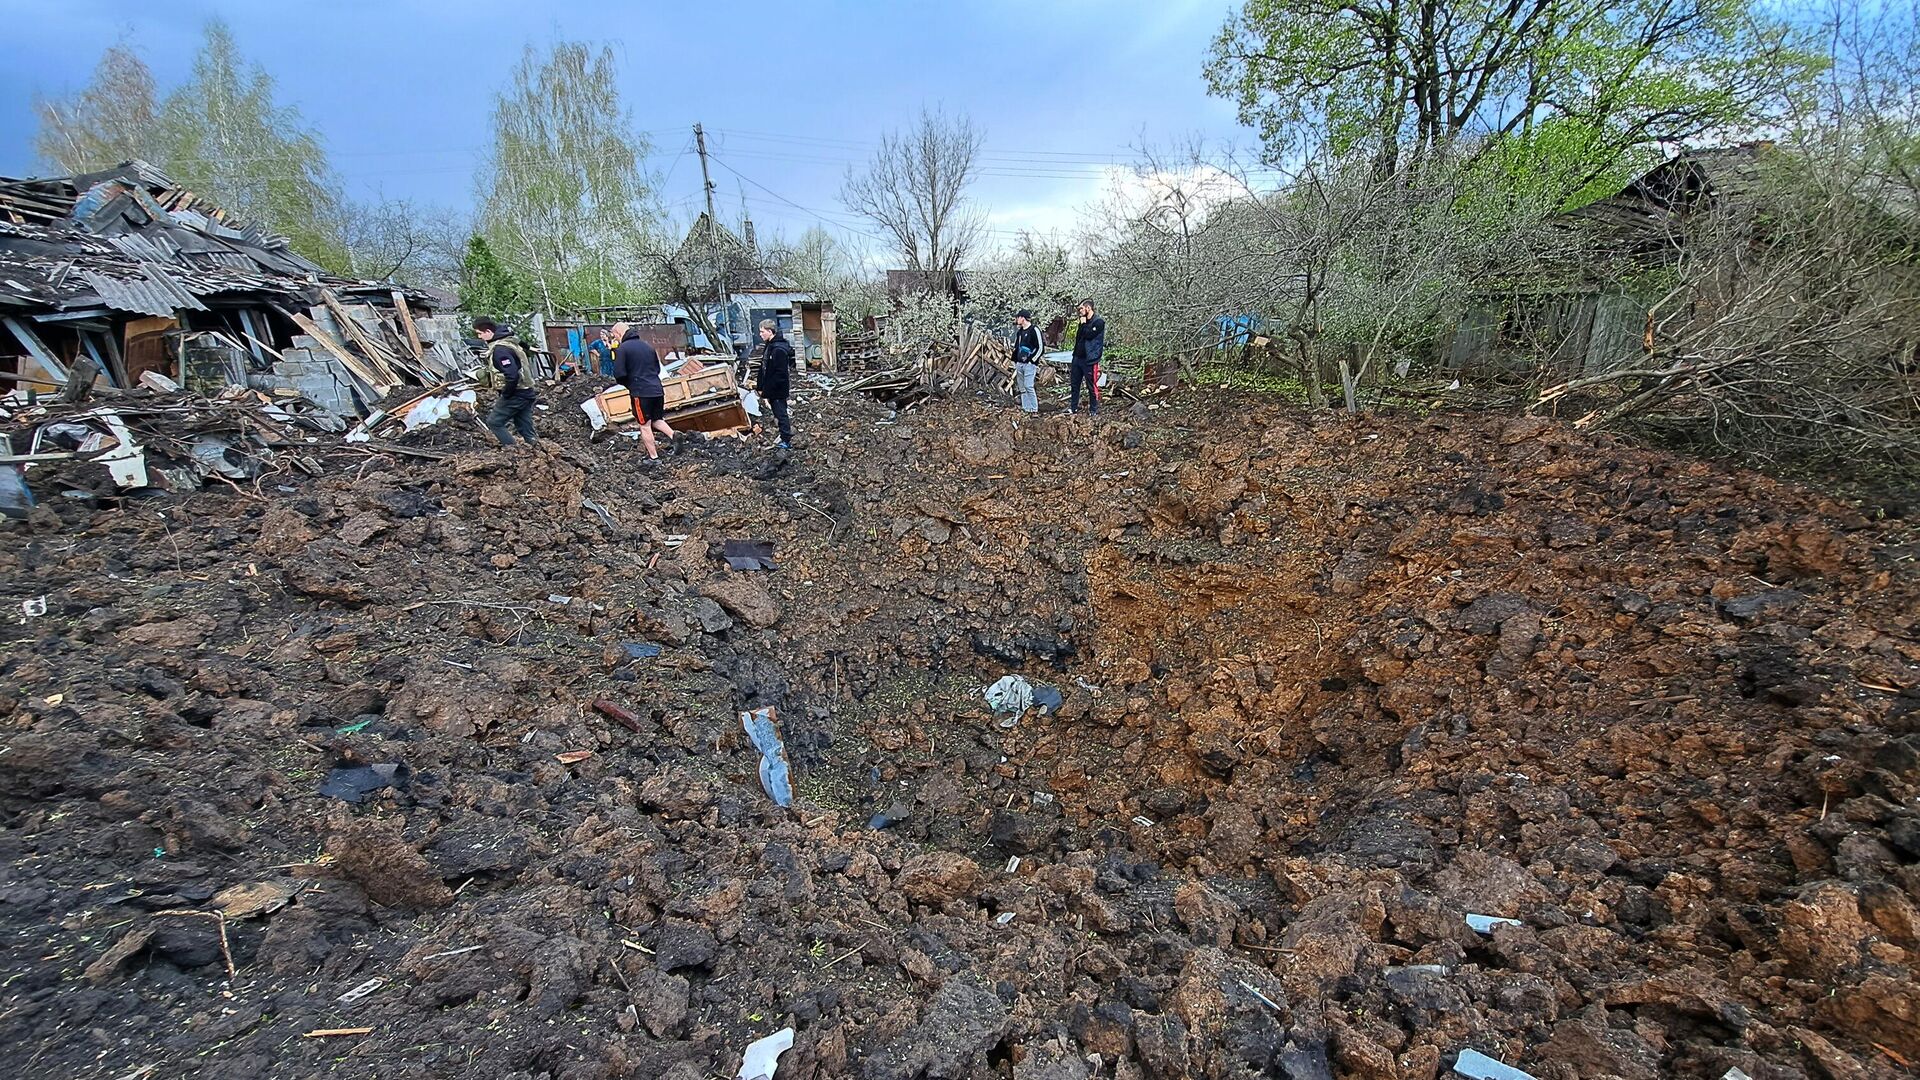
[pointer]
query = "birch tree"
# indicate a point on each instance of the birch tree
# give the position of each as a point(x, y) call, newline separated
point(224, 137)
point(565, 202)
point(111, 120)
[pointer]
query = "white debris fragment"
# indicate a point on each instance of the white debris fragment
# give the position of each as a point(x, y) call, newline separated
point(763, 1056)
point(1484, 924)
point(1478, 1066)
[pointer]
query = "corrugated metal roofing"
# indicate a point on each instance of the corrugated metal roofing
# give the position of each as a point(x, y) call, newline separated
point(155, 294)
point(155, 248)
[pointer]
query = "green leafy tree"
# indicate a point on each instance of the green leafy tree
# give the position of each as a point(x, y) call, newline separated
point(1569, 86)
point(487, 286)
point(564, 201)
point(224, 137)
point(110, 121)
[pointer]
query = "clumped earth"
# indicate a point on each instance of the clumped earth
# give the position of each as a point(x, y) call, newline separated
point(1329, 685)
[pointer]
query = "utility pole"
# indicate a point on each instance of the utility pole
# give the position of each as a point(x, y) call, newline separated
point(713, 244)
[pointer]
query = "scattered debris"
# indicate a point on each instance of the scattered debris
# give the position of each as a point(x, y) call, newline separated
point(619, 713)
point(1484, 924)
point(891, 816)
point(640, 650)
point(353, 783)
point(1478, 1066)
point(748, 554)
point(573, 757)
point(254, 898)
point(362, 990)
point(1048, 699)
point(765, 734)
point(1011, 695)
point(33, 608)
point(1005, 918)
point(328, 1033)
point(763, 1056)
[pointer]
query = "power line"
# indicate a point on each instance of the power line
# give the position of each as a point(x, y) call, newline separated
point(804, 209)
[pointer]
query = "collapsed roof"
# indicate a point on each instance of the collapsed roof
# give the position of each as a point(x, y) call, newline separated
point(131, 240)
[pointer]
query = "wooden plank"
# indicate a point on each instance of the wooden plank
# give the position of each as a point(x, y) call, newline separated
point(115, 362)
point(264, 347)
point(340, 353)
point(406, 323)
point(248, 330)
point(37, 348)
point(93, 349)
point(377, 355)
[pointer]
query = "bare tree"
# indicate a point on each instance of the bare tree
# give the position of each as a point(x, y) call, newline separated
point(396, 240)
point(915, 188)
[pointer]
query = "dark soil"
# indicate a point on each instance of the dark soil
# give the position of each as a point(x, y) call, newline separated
point(1329, 686)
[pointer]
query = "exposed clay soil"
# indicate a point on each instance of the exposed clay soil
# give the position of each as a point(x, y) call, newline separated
point(1329, 686)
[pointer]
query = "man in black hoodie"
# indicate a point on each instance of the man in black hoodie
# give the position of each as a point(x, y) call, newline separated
point(1089, 345)
point(509, 376)
point(636, 366)
point(773, 380)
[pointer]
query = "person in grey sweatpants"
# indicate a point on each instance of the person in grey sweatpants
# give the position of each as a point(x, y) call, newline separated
point(1026, 360)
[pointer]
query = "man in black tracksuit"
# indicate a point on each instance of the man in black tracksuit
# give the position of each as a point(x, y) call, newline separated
point(773, 380)
point(514, 405)
point(636, 366)
point(1089, 345)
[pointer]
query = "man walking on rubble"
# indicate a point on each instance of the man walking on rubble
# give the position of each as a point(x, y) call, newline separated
point(1026, 360)
point(636, 366)
point(773, 380)
point(505, 370)
point(1089, 345)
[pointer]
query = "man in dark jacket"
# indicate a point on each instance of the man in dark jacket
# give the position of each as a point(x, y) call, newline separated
point(637, 367)
point(512, 380)
point(1089, 345)
point(773, 379)
point(1026, 360)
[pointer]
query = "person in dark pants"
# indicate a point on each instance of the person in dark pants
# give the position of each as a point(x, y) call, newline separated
point(600, 353)
point(514, 384)
point(636, 366)
point(1089, 345)
point(1026, 360)
point(774, 380)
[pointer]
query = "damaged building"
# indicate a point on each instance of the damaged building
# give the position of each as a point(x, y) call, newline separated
point(125, 278)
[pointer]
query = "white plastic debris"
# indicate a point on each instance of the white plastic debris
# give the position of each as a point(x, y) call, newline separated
point(362, 990)
point(1143, 822)
point(1484, 924)
point(1005, 918)
point(33, 609)
point(763, 1056)
point(596, 417)
point(1013, 694)
point(432, 410)
point(1013, 864)
point(126, 462)
point(1736, 1074)
point(1478, 1066)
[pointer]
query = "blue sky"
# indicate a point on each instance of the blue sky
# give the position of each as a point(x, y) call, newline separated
point(790, 93)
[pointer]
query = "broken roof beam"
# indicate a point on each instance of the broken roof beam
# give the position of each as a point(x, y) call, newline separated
point(36, 348)
point(341, 353)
